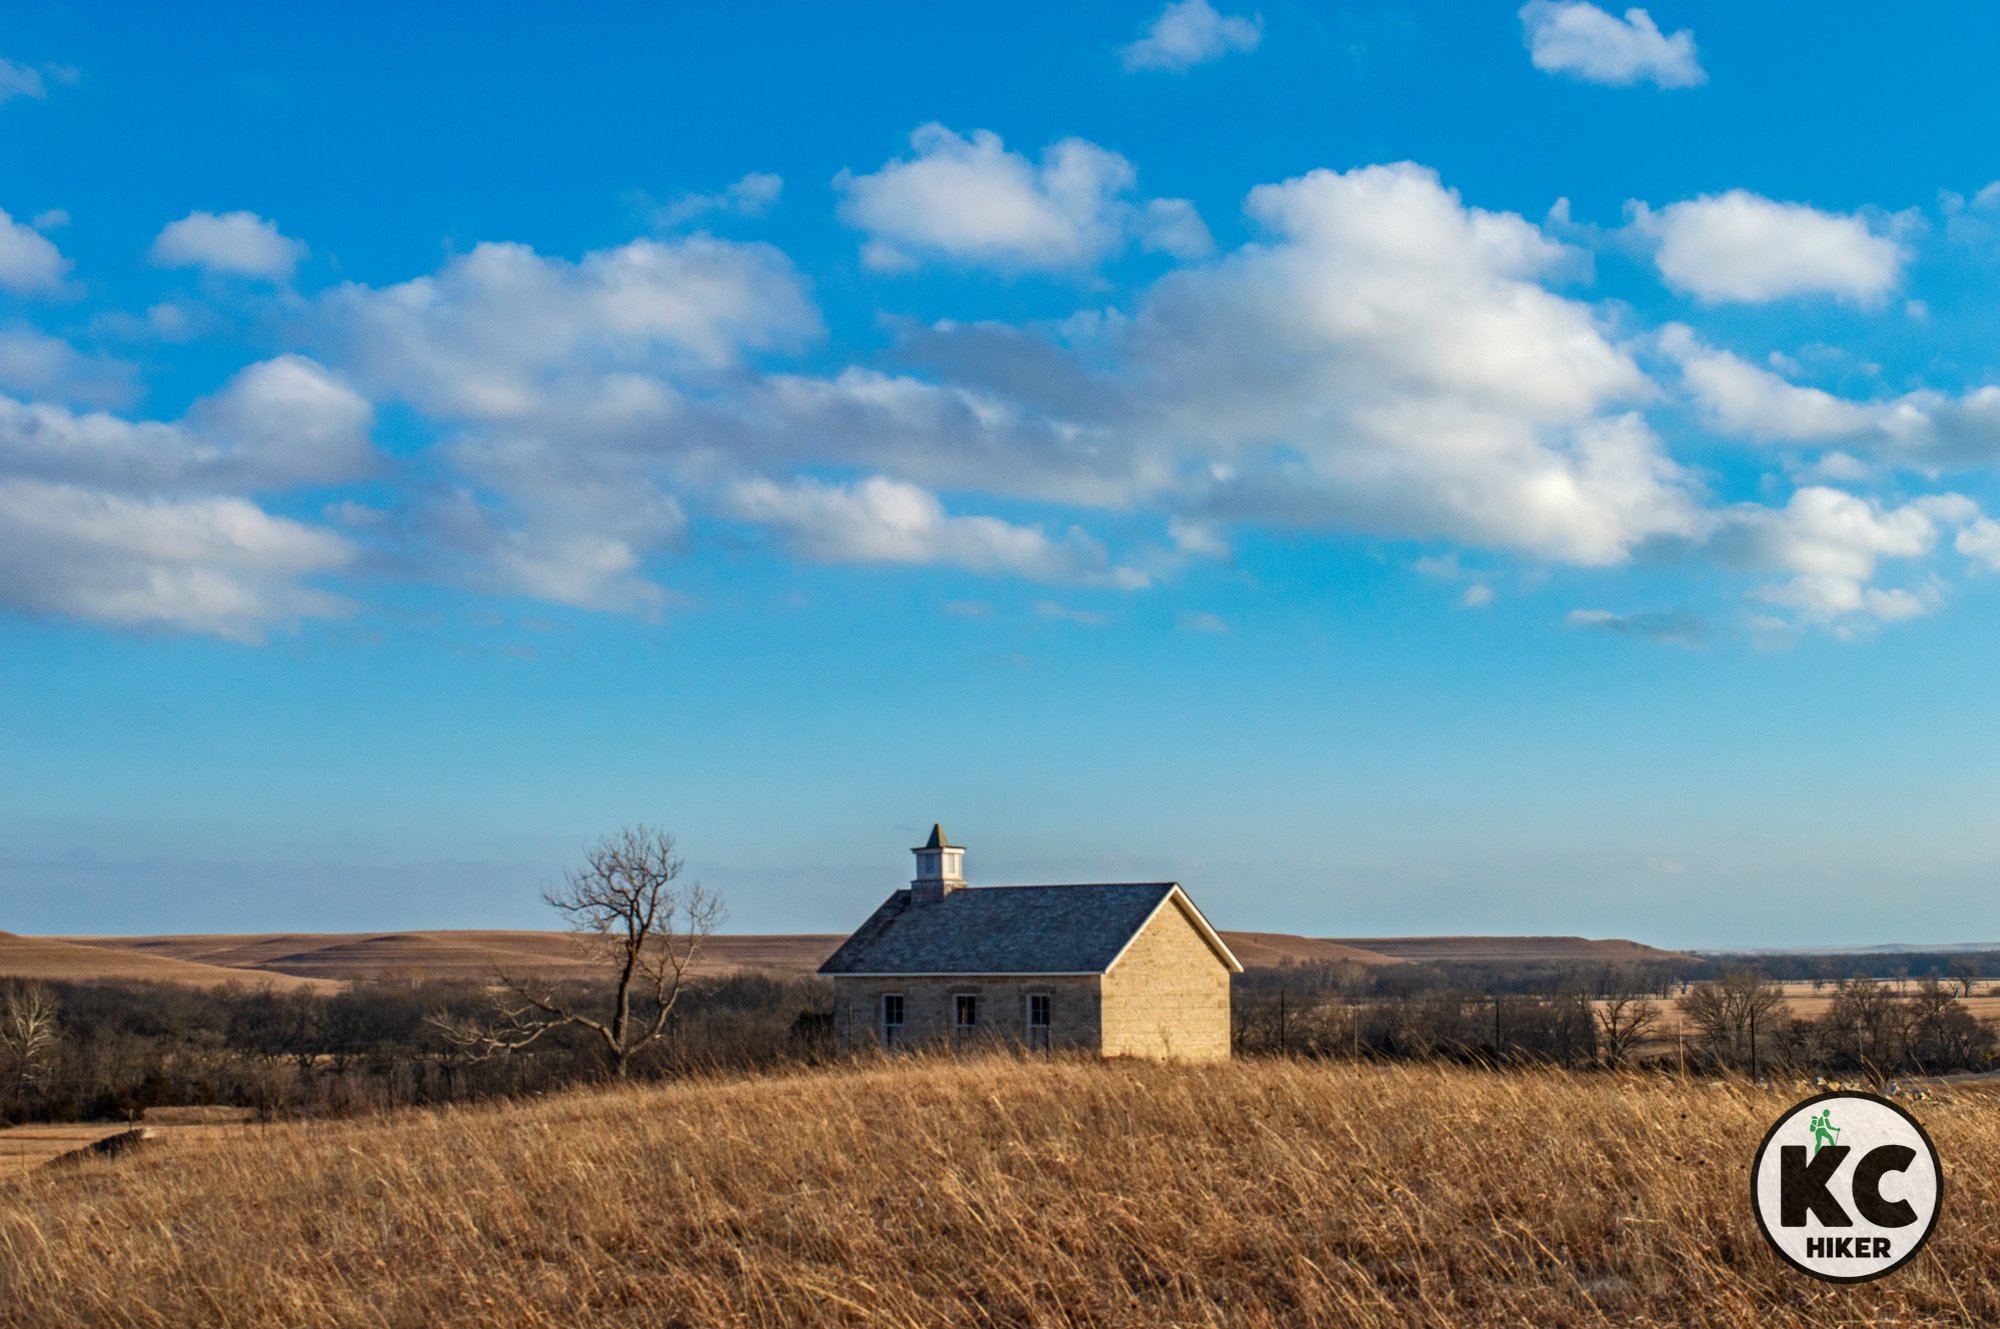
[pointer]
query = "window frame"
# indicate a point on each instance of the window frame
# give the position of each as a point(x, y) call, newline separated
point(963, 1029)
point(891, 1031)
point(1038, 1036)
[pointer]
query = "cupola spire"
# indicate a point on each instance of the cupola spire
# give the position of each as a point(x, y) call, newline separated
point(940, 868)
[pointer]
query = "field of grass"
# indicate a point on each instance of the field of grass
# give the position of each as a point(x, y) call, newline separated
point(291, 959)
point(988, 1192)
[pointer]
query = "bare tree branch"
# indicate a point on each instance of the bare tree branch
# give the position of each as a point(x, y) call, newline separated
point(631, 917)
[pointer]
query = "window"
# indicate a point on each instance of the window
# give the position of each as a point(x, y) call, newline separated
point(964, 1014)
point(892, 1019)
point(1038, 1020)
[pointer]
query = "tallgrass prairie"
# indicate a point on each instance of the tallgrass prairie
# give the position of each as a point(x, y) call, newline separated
point(989, 1192)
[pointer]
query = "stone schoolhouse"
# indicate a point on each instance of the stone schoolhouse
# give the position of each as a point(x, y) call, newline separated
point(1125, 969)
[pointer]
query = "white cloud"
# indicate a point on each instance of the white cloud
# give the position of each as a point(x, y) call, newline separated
point(213, 564)
point(750, 196)
point(1740, 247)
point(1571, 37)
point(1924, 429)
point(276, 425)
point(1389, 362)
point(1193, 622)
point(35, 364)
point(881, 520)
point(502, 333)
point(576, 542)
point(240, 243)
point(1188, 33)
point(1384, 360)
point(999, 440)
point(1741, 398)
point(1195, 539)
point(286, 422)
point(1832, 543)
point(1172, 226)
point(130, 523)
point(1979, 541)
point(29, 262)
point(579, 387)
point(19, 80)
point(970, 200)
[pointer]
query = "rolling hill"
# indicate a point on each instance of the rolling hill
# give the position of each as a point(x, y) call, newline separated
point(447, 954)
point(1517, 950)
point(330, 958)
point(58, 960)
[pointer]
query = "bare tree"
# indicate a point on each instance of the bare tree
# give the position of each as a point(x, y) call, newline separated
point(29, 1032)
point(1867, 1026)
point(628, 913)
point(1729, 1011)
point(1625, 1018)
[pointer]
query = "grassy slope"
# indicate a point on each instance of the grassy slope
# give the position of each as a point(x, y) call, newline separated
point(987, 1192)
point(476, 954)
point(54, 960)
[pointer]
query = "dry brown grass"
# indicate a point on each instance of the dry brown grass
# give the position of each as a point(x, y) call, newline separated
point(476, 954)
point(25, 1148)
point(988, 1192)
point(464, 955)
point(53, 960)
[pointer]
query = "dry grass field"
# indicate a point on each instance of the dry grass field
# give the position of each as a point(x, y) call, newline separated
point(988, 1193)
point(24, 1149)
point(57, 960)
point(331, 958)
point(471, 954)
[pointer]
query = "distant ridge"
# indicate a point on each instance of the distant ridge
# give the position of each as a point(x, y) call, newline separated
point(1260, 950)
point(1548, 950)
point(1885, 948)
point(55, 960)
point(474, 955)
point(444, 955)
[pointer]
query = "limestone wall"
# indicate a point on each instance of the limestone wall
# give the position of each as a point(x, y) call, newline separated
point(1168, 995)
point(1002, 1011)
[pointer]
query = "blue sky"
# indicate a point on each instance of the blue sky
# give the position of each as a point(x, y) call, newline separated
point(1396, 468)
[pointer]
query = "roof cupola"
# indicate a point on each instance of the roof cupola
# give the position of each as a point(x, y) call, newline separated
point(940, 868)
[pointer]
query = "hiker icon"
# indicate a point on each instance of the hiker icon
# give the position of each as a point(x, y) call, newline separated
point(1824, 1132)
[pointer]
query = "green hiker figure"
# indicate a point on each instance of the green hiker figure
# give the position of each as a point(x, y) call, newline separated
point(1824, 1131)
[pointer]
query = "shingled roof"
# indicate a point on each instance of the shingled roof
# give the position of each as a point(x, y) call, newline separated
point(1078, 929)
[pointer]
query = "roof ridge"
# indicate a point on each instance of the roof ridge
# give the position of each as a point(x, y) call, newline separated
point(1068, 927)
point(1063, 885)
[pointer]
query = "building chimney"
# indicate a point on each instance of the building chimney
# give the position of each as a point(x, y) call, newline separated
point(940, 868)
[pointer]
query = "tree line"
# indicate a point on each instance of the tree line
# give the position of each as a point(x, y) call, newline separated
point(108, 1051)
point(1738, 1020)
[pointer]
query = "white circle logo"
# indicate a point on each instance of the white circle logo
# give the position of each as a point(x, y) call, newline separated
point(1846, 1187)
